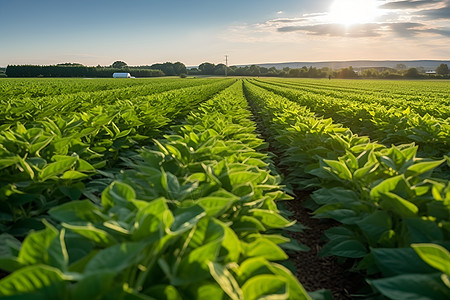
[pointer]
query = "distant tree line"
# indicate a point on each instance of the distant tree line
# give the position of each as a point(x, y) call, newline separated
point(79, 70)
point(75, 70)
point(206, 68)
point(401, 71)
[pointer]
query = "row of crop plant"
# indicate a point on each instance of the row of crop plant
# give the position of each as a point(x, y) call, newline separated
point(385, 124)
point(194, 217)
point(391, 93)
point(51, 160)
point(418, 98)
point(13, 88)
point(394, 216)
point(35, 108)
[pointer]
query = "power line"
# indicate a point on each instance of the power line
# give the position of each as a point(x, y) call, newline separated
point(226, 65)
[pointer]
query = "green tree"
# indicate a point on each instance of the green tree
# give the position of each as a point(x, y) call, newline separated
point(347, 73)
point(119, 65)
point(412, 73)
point(254, 70)
point(219, 69)
point(442, 69)
point(207, 68)
point(179, 68)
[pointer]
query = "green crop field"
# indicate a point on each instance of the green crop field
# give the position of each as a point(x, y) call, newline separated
point(178, 188)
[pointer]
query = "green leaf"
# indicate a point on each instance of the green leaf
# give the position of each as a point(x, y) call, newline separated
point(348, 248)
point(423, 231)
point(413, 286)
point(38, 282)
point(150, 218)
point(169, 292)
point(238, 178)
point(296, 290)
point(73, 175)
point(100, 237)
point(76, 211)
point(375, 225)
point(436, 256)
point(263, 248)
point(265, 287)
point(204, 290)
point(115, 258)
point(422, 167)
point(185, 219)
point(214, 206)
point(58, 167)
point(44, 247)
point(397, 185)
point(340, 169)
point(10, 264)
point(94, 285)
point(398, 261)
point(118, 193)
point(226, 281)
point(9, 245)
point(321, 295)
point(398, 205)
point(270, 219)
point(247, 224)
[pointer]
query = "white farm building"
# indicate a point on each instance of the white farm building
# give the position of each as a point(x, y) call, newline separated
point(121, 75)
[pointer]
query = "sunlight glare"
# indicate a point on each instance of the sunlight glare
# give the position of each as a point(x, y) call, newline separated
point(350, 12)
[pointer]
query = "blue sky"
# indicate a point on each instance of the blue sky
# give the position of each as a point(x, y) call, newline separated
point(249, 31)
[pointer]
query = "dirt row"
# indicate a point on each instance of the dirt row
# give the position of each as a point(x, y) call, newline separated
point(314, 272)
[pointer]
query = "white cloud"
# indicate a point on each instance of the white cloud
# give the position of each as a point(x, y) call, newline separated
point(395, 33)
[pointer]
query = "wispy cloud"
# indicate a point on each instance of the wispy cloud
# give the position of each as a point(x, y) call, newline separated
point(423, 18)
point(442, 13)
point(357, 30)
point(408, 4)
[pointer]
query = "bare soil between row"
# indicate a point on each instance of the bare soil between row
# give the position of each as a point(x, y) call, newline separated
point(315, 272)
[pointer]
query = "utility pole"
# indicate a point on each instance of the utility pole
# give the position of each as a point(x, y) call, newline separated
point(226, 65)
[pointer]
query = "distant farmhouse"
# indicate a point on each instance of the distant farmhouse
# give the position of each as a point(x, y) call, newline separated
point(122, 75)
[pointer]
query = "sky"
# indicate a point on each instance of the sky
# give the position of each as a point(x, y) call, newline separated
point(144, 32)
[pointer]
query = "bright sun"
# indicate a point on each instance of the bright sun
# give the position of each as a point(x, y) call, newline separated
point(350, 12)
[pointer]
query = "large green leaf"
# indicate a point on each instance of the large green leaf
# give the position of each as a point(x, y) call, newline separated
point(99, 236)
point(270, 219)
point(423, 167)
point(169, 292)
point(339, 169)
point(265, 287)
point(62, 164)
point(397, 185)
point(262, 247)
point(186, 218)
point(347, 248)
point(149, 220)
point(76, 211)
point(115, 258)
point(44, 247)
point(398, 205)
point(398, 261)
point(94, 285)
point(226, 281)
point(118, 193)
point(413, 286)
point(421, 230)
point(436, 256)
point(36, 282)
point(375, 225)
